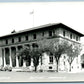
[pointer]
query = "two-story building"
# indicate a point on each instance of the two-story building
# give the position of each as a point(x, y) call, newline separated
point(11, 43)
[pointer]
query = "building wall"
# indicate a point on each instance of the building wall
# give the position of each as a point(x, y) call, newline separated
point(43, 41)
point(67, 35)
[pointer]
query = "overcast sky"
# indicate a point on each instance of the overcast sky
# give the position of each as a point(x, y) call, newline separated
point(17, 15)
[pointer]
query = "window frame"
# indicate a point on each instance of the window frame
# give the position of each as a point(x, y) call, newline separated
point(26, 38)
point(19, 39)
point(71, 36)
point(64, 33)
point(34, 36)
point(51, 59)
point(12, 40)
point(50, 33)
point(6, 41)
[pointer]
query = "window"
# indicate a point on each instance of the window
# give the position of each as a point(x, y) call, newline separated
point(76, 38)
point(50, 67)
point(51, 59)
point(64, 33)
point(26, 38)
point(73, 36)
point(64, 57)
point(6, 41)
point(12, 40)
point(64, 63)
point(42, 33)
point(34, 36)
point(19, 39)
point(54, 32)
point(70, 36)
point(50, 33)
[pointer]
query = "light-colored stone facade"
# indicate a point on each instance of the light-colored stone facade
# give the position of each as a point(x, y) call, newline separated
point(43, 35)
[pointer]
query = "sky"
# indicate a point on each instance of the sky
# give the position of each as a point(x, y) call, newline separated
point(17, 15)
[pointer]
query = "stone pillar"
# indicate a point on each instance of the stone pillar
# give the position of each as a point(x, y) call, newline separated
point(39, 66)
point(31, 66)
point(17, 61)
point(10, 57)
point(24, 63)
point(4, 58)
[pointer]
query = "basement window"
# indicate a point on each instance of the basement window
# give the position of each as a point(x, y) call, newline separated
point(50, 67)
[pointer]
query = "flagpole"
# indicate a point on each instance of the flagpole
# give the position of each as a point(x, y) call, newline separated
point(32, 13)
point(33, 17)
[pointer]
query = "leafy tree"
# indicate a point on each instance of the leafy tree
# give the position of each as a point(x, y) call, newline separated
point(36, 53)
point(60, 48)
point(57, 49)
point(72, 52)
point(25, 53)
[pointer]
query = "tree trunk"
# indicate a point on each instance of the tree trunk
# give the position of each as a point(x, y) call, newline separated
point(57, 66)
point(70, 68)
point(35, 68)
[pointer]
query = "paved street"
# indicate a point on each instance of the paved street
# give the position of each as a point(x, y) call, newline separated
point(40, 77)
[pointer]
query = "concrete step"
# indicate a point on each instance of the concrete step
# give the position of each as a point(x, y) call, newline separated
point(20, 69)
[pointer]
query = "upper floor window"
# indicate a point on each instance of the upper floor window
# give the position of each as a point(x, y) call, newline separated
point(70, 36)
point(42, 33)
point(26, 38)
point(19, 39)
point(34, 36)
point(51, 59)
point(6, 41)
point(64, 57)
point(76, 38)
point(79, 38)
point(50, 33)
point(73, 36)
point(64, 33)
point(12, 40)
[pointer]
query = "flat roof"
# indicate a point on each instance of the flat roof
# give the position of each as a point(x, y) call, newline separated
point(59, 25)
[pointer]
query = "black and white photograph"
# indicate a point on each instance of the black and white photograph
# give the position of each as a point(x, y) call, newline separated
point(42, 41)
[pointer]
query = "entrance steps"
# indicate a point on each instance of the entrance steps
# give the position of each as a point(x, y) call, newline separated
point(21, 69)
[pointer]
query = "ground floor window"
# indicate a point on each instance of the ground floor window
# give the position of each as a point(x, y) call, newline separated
point(82, 65)
point(51, 59)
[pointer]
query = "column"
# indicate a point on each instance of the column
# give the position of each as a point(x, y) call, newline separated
point(4, 58)
point(17, 61)
point(39, 66)
point(10, 57)
point(31, 66)
point(24, 63)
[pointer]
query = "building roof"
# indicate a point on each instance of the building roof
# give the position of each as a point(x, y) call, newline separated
point(58, 25)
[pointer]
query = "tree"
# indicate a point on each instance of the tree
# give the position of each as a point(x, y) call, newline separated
point(72, 52)
point(57, 49)
point(25, 53)
point(36, 53)
point(60, 48)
